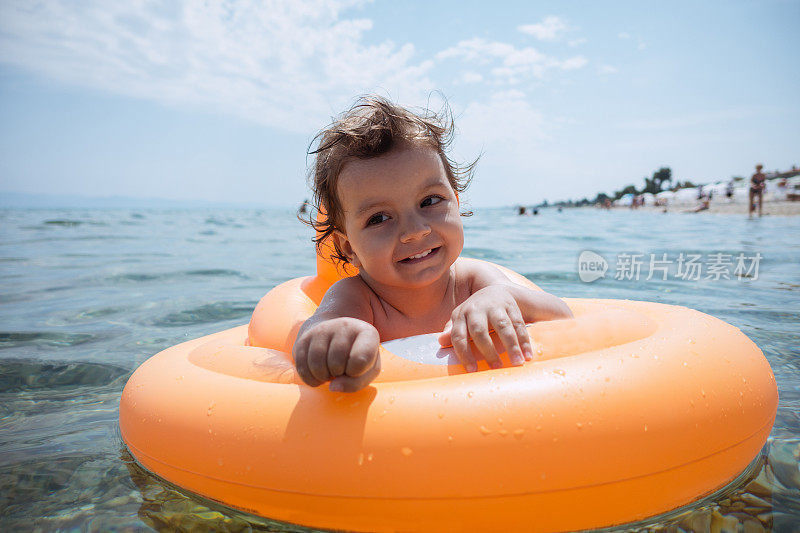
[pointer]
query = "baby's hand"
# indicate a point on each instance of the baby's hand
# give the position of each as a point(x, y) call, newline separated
point(495, 308)
point(341, 350)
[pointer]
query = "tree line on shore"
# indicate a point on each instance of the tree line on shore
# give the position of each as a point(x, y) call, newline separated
point(660, 181)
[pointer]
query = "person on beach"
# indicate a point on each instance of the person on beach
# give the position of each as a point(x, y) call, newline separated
point(757, 184)
point(391, 196)
point(729, 191)
point(704, 205)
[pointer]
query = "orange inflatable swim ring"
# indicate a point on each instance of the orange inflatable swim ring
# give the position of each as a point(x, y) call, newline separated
point(631, 408)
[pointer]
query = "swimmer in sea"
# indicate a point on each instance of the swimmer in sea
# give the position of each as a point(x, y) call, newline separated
point(757, 184)
point(391, 194)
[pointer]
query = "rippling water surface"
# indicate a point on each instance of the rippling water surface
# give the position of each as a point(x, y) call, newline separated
point(87, 295)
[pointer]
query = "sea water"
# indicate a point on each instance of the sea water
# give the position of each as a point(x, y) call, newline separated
point(87, 295)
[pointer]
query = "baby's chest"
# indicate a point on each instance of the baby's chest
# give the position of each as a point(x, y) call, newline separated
point(395, 327)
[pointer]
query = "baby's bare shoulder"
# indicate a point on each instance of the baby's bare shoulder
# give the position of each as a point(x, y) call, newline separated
point(348, 297)
point(476, 274)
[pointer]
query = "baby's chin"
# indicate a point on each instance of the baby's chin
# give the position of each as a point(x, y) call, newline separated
point(420, 281)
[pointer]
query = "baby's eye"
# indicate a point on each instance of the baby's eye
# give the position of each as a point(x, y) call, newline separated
point(430, 200)
point(377, 218)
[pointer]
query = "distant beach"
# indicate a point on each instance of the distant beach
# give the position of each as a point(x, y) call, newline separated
point(776, 208)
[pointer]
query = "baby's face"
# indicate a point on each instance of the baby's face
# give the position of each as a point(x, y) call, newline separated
point(402, 226)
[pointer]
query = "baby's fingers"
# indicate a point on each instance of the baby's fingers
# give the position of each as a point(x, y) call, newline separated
point(445, 337)
point(363, 353)
point(338, 352)
point(300, 354)
point(478, 326)
point(521, 330)
point(347, 383)
point(318, 358)
point(504, 327)
point(460, 339)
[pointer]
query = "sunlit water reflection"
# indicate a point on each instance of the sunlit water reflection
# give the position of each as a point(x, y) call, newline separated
point(88, 295)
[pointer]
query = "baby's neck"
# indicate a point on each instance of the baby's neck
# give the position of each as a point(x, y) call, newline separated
point(417, 303)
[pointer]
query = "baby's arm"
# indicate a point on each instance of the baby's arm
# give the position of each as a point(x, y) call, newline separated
point(338, 343)
point(495, 302)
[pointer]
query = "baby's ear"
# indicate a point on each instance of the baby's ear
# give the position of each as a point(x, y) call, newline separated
point(343, 244)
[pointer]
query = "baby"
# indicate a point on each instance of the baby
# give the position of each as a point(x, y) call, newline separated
point(390, 193)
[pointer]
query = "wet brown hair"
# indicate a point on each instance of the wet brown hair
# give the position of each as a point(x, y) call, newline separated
point(372, 127)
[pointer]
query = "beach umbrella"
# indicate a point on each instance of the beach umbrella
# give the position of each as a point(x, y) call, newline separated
point(685, 196)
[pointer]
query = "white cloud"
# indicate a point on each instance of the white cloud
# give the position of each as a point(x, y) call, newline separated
point(640, 44)
point(513, 64)
point(476, 50)
point(547, 30)
point(607, 69)
point(470, 77)
point(282, 63)
point(574, 63)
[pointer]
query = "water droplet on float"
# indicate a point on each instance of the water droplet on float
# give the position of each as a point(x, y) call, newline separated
point(441, 415)
point(559, 372)
point(503, 432)
point(518, 433)
point(220, 462)
point(703, 392)
point(470, 394)
point(538, 428)
point(391, 399)
point(360, 458)
point(645, 427)
point(406, 451)
point(484, 430)
point(579, 425)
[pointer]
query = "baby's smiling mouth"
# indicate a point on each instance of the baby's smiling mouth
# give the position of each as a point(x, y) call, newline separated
point(420, 256)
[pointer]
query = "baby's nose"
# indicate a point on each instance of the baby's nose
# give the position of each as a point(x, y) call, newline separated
point(414, 228)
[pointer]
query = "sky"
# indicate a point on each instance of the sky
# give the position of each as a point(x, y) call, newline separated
point(218, 101)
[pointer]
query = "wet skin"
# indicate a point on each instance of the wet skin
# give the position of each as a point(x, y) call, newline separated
point(402, 230)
